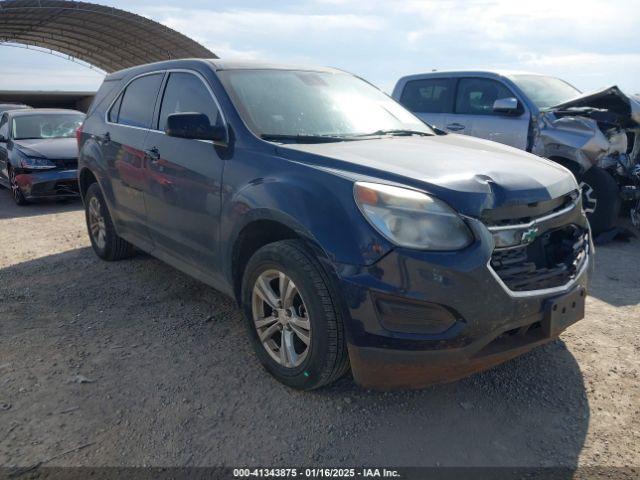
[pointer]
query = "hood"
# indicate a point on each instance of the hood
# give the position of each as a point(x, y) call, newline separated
point(468, 173)
point(610, 98)
point(51, 148)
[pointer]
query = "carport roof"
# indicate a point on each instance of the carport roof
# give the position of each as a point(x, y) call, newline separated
point(106, 37)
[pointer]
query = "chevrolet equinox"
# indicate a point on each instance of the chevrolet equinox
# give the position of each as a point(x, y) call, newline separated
point(351, 234)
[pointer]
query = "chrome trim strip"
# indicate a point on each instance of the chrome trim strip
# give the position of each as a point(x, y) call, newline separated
point(536, 221)
point(545, 291)
point(163, 72)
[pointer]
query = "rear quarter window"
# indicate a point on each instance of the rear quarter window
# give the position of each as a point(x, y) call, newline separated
point(434, 95)
point(114, 111)
point(105, 92)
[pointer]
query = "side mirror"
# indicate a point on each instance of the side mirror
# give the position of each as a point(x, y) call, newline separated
point(508, 106)
point(195, 126)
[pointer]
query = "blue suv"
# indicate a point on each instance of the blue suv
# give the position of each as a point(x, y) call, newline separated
point(351, 234)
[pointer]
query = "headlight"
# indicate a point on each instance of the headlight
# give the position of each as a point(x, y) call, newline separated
point(411, 219)
point(34, 163)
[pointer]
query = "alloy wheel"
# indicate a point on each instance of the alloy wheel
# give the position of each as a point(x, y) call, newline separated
point(589, 201)
point(97, 225)
point(634, 214)
point(15, 188)
point(280, 318)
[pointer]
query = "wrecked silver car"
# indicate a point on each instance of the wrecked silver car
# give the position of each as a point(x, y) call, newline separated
point(600, 129)
point(595, 135)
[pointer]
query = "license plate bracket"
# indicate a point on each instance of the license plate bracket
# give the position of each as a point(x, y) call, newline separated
point(560, 312)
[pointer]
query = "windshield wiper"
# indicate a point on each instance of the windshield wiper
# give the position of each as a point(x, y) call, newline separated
point(397, 132)
point(277, 137)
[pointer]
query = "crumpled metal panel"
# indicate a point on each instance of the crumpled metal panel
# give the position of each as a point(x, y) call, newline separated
point(575, 138)
point(611, 98)
point(578, 137)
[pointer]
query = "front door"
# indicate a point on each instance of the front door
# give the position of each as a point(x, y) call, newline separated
point(474, 115)
point(183, 193)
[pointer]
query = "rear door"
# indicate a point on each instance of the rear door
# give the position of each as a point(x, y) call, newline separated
point(473, 113)
point(128, 121)
point(431, 99)
point(183, 194)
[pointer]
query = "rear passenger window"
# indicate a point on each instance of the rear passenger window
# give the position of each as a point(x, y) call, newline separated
point(185, 92)
point(138, 101)
point(433, 95)
point(477, 95)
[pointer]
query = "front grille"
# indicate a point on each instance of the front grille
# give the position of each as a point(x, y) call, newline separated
point(551, 260)
point(67, 163)
point(525, 213)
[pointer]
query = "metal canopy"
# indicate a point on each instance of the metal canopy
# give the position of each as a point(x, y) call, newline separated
point(105, 37)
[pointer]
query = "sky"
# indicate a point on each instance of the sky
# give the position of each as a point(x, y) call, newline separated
point(588, 43)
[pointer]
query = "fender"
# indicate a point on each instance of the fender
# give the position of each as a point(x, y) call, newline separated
point(317, 205)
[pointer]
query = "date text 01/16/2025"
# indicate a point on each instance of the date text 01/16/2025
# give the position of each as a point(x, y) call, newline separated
point(315, 473)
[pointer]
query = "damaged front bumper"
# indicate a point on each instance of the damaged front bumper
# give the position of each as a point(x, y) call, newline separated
point(48, 184)
point(419, 318)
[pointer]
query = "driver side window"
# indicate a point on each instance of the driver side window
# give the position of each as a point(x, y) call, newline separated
point(476, 96)
point(184, 93)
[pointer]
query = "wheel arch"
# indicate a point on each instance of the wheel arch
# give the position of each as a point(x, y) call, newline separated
point(264, 228)
point(85, 178)
point(573, 166)
point(318, 209)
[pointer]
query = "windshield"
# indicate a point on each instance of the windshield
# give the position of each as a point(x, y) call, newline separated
point(308, 104)
point(62, 125)
point(543, 91)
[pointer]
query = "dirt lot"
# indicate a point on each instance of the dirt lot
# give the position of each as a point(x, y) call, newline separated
point(141, 365)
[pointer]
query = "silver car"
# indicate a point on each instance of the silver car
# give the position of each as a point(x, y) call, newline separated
point(596, 136)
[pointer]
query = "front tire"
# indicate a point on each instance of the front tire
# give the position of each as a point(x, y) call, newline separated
point(16, 192)
point(292, 318)
point(601, 199)
point(104, 239)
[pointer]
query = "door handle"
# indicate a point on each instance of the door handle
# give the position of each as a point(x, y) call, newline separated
point(152, 154)
point(454, 127)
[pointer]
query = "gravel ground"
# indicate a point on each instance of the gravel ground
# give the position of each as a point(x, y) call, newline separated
point(141, 365)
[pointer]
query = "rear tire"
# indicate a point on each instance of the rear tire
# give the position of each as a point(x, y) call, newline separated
point(601, 199)
point(104, 239)
point(306, 301)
